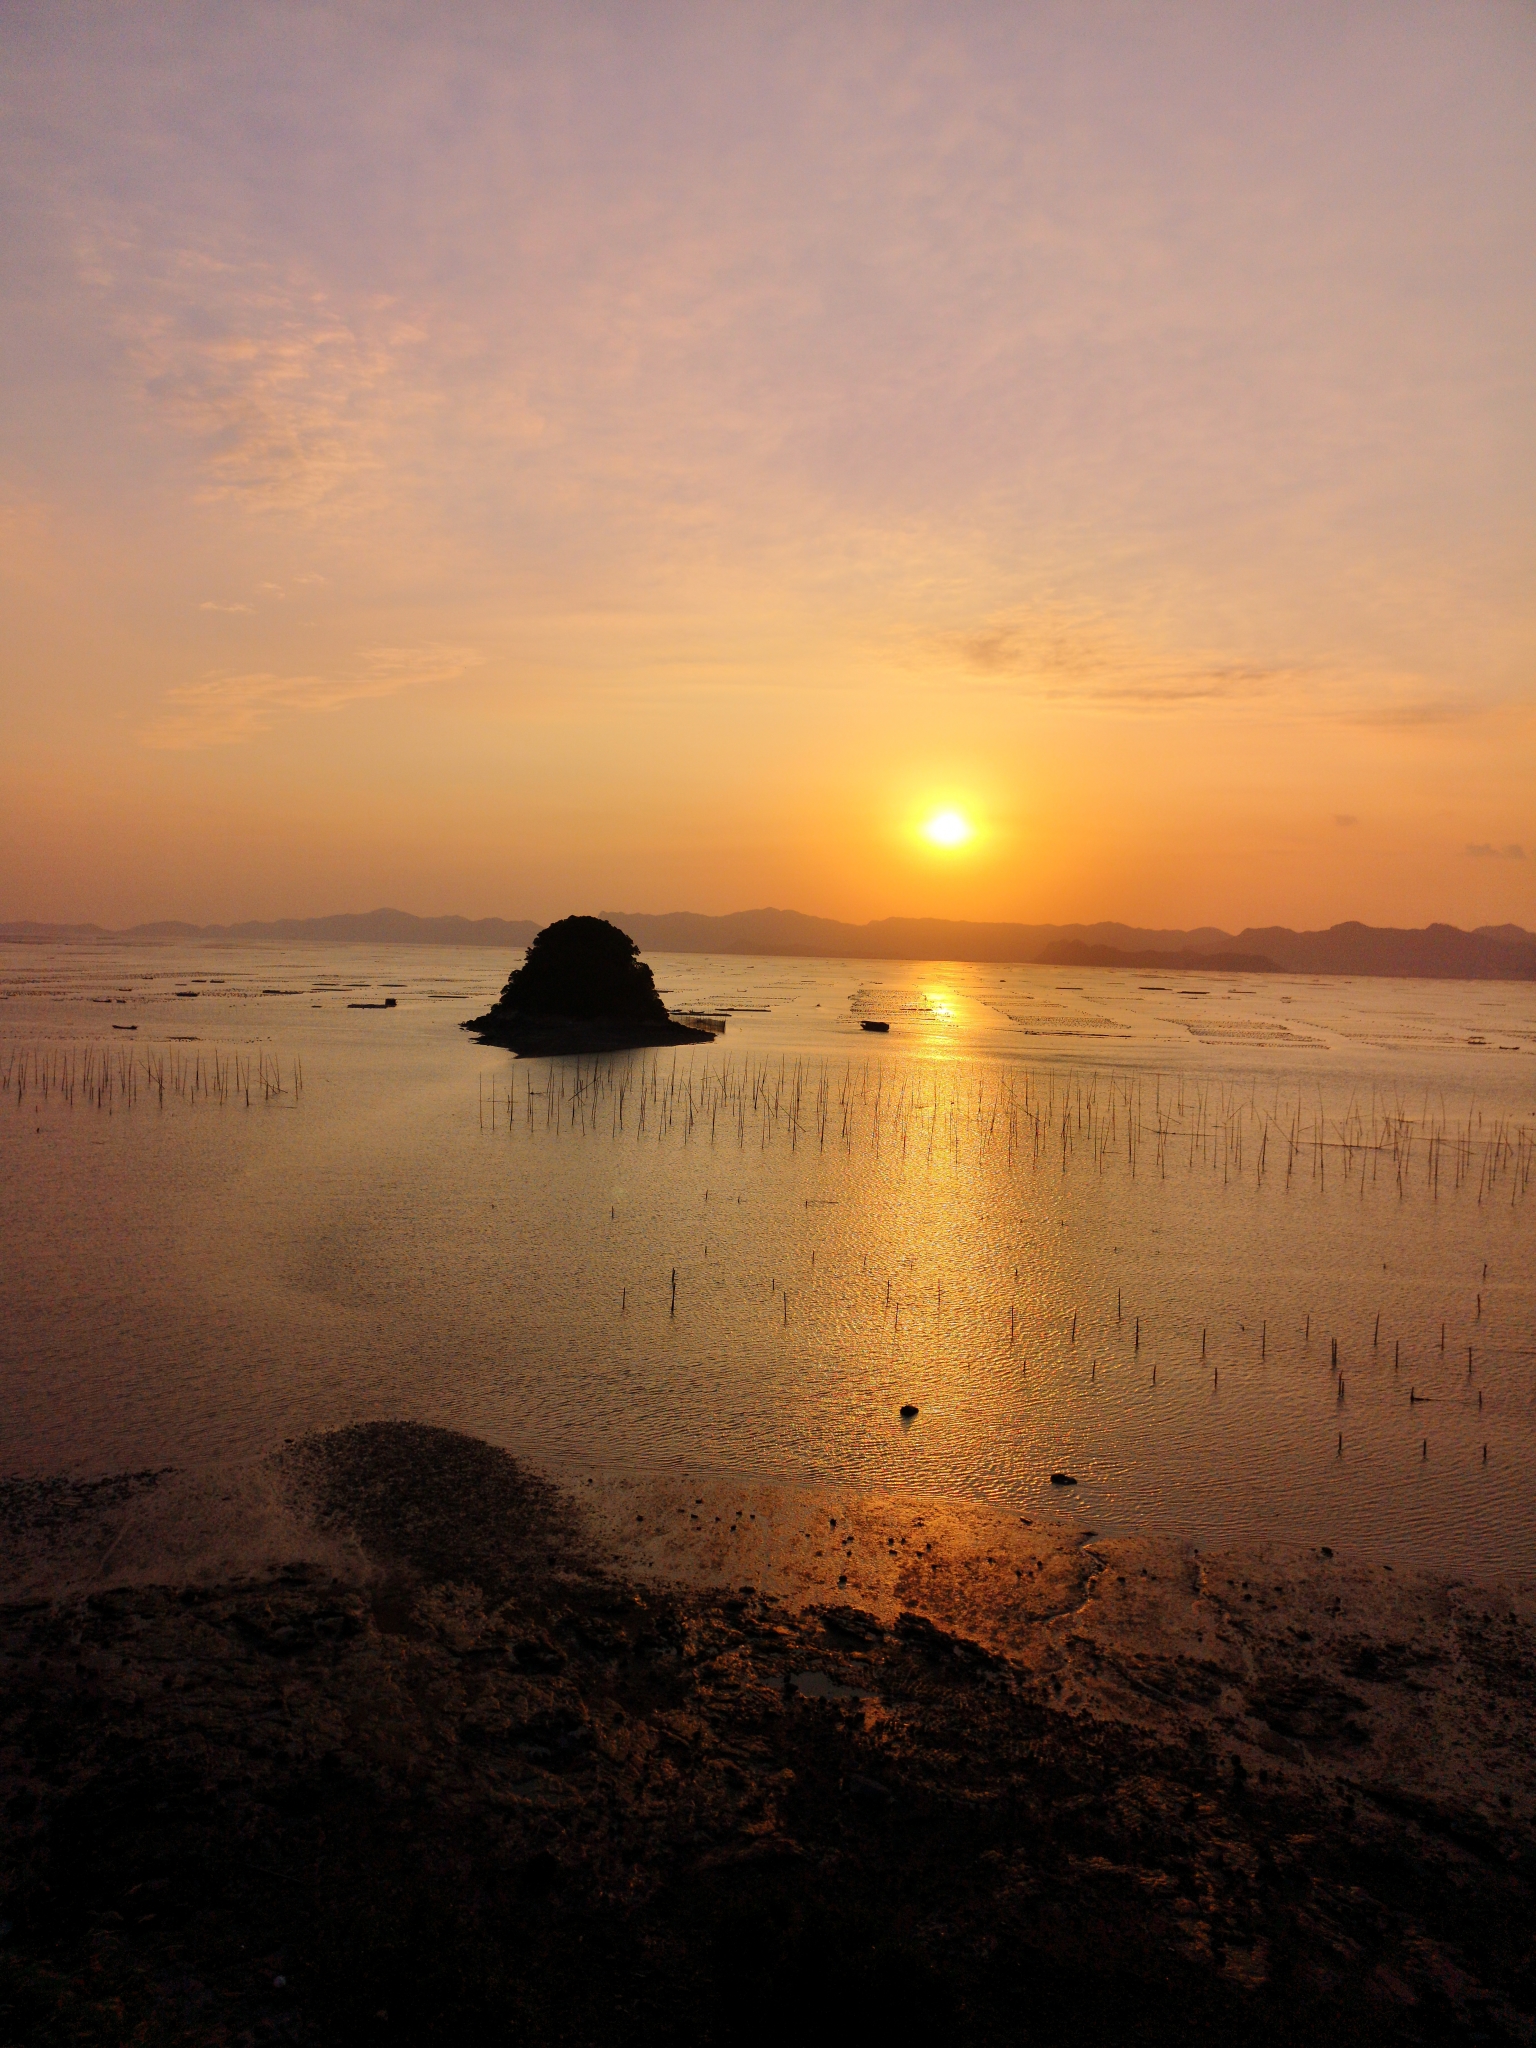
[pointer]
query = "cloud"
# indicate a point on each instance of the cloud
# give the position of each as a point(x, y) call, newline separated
point(1405, 717)
point(294, 400)
point(1089, 663)
point(211, 604)
point(1483, 851)
point(223, 711)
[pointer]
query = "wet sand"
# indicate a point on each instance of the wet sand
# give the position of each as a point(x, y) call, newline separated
point(453, 1753)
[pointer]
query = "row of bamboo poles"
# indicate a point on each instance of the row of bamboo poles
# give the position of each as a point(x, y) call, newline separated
point(1153, 1121)
point(112, 1077)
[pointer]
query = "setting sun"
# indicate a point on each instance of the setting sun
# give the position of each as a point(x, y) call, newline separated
point(948, 828)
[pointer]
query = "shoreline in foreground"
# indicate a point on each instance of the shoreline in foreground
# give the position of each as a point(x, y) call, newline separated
point(467, 1757)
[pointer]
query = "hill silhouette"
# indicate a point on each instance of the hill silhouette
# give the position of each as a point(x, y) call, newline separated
point(583, 967)
point(582, 987)
point(1504, 952)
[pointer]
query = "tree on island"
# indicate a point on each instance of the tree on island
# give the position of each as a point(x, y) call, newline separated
point(583, 967)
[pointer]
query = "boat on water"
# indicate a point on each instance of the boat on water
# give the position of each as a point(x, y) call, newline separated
point(874, 1024)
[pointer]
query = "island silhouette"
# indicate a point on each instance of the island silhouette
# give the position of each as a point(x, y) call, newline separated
point(582, 987)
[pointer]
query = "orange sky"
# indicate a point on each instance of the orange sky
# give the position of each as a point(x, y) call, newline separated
point(514, 460)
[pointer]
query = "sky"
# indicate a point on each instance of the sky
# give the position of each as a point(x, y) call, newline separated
point(522, 459)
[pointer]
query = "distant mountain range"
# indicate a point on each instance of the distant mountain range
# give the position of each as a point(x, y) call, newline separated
point(374, 927)
point(1505, 952)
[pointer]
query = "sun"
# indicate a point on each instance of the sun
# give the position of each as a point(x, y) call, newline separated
point(948, 828)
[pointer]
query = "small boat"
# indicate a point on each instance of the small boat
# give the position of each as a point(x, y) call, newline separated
point(873, 1024)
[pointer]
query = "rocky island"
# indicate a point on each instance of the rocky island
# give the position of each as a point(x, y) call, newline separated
point(582, 987)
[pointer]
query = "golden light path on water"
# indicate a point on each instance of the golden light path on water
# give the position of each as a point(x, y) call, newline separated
point(1247, 1258)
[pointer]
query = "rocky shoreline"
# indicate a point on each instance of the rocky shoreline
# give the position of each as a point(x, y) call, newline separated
point(472, 1764)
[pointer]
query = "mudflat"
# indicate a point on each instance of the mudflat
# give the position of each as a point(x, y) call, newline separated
point(472, 1758)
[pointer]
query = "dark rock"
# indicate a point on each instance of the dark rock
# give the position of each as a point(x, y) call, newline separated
point(870, 1791)
point(584, 967)
point(582, 987)
point(852, 1621)
point(919, 1633)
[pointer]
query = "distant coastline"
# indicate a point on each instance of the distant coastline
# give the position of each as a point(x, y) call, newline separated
point(1504, 952)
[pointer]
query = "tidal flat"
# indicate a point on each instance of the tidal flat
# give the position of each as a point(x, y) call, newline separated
point(419, 1746)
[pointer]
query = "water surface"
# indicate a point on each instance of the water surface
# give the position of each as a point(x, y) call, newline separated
point(1248, 1257)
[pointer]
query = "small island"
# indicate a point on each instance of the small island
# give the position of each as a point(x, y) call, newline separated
point(582, 987)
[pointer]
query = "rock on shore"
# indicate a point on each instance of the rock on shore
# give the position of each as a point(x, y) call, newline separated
point(489, 1771)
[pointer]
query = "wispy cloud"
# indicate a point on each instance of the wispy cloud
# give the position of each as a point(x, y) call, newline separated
point(294, 400)
point(212, 604)
point(1090, 663)
point(1406, 717)
point(1481, 850)
point(223, 711)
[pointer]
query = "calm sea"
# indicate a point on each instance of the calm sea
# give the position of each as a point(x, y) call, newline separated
point(1248, 1258)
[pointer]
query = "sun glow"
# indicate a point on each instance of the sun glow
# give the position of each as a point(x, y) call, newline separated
point(948, 829)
